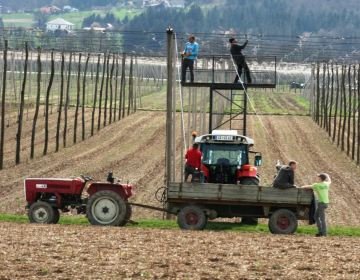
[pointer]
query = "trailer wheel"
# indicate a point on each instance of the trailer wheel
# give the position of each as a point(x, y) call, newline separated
point(283, 221)
point(105, 208)
point(191, 218)
point(41, 213)
point(127, 215)
point(250, 181)
point(56, 218)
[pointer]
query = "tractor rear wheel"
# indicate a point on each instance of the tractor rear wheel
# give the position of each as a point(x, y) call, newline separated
point(56, 218)
point(192, 218)
point(127, 215)
point(106, 208)
point(250, 181)
point(283, 221)
point(41, 213)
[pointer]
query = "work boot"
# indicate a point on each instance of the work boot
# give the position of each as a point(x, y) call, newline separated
point(319, 234)
point(189, 178)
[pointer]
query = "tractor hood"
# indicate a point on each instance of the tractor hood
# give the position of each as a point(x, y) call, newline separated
point(225, 136)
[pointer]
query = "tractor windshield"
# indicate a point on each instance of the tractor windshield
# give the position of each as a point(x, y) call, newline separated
point(228, 154)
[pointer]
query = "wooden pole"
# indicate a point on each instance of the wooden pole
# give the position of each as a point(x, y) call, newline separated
point(111, 88)
point(37, 103)
point(77, 98)
point(61, 101)
point(130, 97)
point(83, 98)
point(22, 100)
point(106, 88)
point(336, 102)
point(47, 103)
point(116, 85)
point(331, 98)
point(95, 95)
point(3, 108)
point(344, 102)
point(101, 91)
point(122, 88)
point(354, 112)
point(67, 100)
point(349, 116)
point(169, 32)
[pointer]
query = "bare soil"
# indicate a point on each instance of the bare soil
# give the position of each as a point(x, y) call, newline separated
point(133, 148)
point(34, 251)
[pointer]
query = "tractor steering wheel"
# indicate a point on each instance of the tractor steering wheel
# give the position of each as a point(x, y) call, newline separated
point(86, 178)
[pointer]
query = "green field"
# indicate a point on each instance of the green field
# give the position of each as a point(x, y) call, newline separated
point(75, 18)
point(213, 226)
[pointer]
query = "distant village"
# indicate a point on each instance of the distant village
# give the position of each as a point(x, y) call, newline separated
point(61, 24)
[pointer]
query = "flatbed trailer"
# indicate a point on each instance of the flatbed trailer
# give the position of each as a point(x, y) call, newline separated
point(195, 203)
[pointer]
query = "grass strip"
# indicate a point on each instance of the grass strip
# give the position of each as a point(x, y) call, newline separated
point(212, 226)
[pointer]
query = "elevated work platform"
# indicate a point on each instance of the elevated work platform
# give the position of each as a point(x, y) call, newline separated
point(219, 72)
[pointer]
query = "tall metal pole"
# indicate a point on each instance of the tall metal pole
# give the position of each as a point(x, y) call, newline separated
point(245, 109)
point(169, 32)
point(174, 112)
point(210, 110)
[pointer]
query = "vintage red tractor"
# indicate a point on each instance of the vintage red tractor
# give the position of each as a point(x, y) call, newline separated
point(107, 204)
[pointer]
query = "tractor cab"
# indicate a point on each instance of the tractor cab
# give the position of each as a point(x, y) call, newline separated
point(225, 158)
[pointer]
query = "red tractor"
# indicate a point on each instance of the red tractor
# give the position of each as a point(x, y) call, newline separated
point(107, 204)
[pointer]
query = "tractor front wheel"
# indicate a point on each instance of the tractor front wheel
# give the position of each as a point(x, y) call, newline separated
point(250, 181)
point(192, 218)
point(106, 208)
point(283, 221)
point(41, 213)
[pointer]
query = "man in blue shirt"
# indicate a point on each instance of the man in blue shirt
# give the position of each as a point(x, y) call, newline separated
point(190, 53)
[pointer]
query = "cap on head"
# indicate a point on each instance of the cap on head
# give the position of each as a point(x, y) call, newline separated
point(231, 40)
point(322, 176)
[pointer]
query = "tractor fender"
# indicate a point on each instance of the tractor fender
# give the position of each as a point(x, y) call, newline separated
point(251, 171)
point(117, 188)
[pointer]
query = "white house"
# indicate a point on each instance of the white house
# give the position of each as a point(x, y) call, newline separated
point(59, 23)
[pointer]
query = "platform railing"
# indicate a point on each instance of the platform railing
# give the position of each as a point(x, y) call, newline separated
point(221, 69)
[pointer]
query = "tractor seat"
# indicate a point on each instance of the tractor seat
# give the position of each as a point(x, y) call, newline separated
point(223, 161)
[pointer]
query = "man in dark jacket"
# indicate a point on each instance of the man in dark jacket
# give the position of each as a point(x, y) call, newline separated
point(239, 58)
point(286, 175)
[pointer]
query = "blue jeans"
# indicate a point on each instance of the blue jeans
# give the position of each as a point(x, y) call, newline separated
point(320, 217)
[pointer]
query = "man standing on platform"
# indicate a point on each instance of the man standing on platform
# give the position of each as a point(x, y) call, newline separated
point(239, 58)
point(190, 53)
point(193, 162)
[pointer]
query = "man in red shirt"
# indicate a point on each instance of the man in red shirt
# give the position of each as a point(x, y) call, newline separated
point(193, 161)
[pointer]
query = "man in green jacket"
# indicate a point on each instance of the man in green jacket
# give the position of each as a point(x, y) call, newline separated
point(322, 189)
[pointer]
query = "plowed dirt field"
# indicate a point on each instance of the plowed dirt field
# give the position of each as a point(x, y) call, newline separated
point(33, 251)
point(134, 149)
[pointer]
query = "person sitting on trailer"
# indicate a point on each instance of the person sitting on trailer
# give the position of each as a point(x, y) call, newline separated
point(193, 162)
point(239, 58)
point(190, 53)
point(286, 176)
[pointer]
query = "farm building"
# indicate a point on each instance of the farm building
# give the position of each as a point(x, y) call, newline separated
point(69, 9)
point(59, 23)
point(50, 10)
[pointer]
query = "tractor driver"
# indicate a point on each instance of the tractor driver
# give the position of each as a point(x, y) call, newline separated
point(286, 175)
point(193, 162)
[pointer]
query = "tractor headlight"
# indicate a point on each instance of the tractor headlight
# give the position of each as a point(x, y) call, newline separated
point(207, 138)
point(238, 167)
